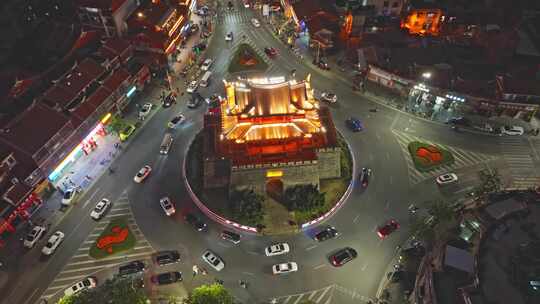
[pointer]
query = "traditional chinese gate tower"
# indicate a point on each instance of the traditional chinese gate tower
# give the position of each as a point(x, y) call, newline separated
point(269, 134)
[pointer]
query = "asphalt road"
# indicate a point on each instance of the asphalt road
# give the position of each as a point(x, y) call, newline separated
point(391, 190)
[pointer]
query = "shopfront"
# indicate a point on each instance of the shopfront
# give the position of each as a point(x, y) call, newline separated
point(388, 80)
point(59, 177)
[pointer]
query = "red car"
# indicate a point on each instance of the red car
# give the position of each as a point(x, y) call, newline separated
point(387, 229)
point(270, 51)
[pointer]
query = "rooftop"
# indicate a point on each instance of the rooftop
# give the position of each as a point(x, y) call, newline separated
point(88, 107)
point(115, 79)
point(112, 5)
point(116, 46)
point(33, 128)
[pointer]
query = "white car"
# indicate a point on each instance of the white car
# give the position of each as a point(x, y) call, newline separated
point(100, 209)
point(229, 36)
point(277, 249)
point(255, 22)
point(176, 120)
point(513, 130)
point(68, 197)
point(53, 243)
point(87, 283)
point(192, 87)
point(145, 110)
point(447, 178)
point(329, 97)
point(206, 64)
point(284, 268)
point(213, 260)
point(34, 235)
point(142, 174)
point(167, 206)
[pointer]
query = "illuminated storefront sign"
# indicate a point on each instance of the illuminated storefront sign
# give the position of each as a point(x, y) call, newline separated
point(72, 156)
point(131, 91)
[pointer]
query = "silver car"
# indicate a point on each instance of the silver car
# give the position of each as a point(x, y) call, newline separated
point(213, 260)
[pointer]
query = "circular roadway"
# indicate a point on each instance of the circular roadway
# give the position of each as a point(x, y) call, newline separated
point(387, 196)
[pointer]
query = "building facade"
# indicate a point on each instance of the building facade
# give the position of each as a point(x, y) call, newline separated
point(269, 134)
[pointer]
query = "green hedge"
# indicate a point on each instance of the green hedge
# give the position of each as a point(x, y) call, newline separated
point(127, 244)
point(446, 157)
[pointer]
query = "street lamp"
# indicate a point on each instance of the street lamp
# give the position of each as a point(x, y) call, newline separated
point(426, 75)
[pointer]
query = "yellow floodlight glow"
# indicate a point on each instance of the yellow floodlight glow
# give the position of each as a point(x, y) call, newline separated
point(274, 173)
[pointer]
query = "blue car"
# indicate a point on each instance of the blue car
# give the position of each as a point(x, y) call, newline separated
point(354, 124)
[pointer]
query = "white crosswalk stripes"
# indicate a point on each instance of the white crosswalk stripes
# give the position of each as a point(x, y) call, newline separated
point(81, 265)
point(518, 154)
point(319, 296)
point(462, 158)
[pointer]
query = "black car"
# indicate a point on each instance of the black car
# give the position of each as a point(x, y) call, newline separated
point(230, 236)
point(134, 267)
point(364, 177)
point(461, 121)
point(326, 234)
point(167, 257)
point(343, 256)
point(195, 222)
point(168, 100)
point(167, 278)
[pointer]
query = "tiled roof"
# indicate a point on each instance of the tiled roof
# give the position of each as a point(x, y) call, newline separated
point(118, 46)
point(521, 86)
point(113, 81)
point(113, 5)
point(17, 193)
point(90, 105)
point(71, 85)
point(33, 128)
point(308, 8)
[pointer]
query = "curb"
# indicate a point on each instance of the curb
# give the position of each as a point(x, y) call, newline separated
point(217, 218)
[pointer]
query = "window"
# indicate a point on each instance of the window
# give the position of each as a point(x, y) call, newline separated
point(395, 4)
point(385, 3)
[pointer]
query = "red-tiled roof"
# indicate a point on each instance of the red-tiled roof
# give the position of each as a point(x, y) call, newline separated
point(59, 94)
point(150, 14)
point(90, 105)
point(33, 128)
point(521, 86)
point(17, 193)
point(118, 46)
point(113, 81)
point(113, 5)
point(91, 68)
point(308, 8)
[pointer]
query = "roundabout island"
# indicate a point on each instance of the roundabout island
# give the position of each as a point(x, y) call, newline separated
point(269, 158)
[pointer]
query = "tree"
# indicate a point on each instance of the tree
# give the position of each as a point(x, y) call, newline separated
point(422, 228)
point(210, 294)
point(441, 210)
point(116, 124)
point(491, 181)
point(246, 206)
point(117, 291)
point(304, 198)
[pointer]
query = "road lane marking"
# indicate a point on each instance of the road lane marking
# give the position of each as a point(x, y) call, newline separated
point(311, 247)
point(364, 267)
point(356, 219)
point(371, 157)
point(91, 198)
point(322, 295)
point(387, 207)
point(298, 299)
point(253, 252)
point(287, 300)
point(248, 273)
point(391, 179)
point(319, 267)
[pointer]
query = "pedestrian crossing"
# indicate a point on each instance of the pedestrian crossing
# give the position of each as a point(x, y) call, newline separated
point(82, 265)
point(233, 17)
point(319, 296)
point(332, 294)
point(517, 153)
point(462, 158)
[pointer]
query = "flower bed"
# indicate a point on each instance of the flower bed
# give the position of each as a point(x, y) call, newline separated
point(428, 157)
point(245, 59)
point(116, 238)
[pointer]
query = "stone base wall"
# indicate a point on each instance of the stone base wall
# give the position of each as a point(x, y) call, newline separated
point(329, 162)
point(256, 177)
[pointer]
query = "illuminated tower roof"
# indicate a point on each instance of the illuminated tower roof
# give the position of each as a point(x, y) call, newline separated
point(268, 120)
